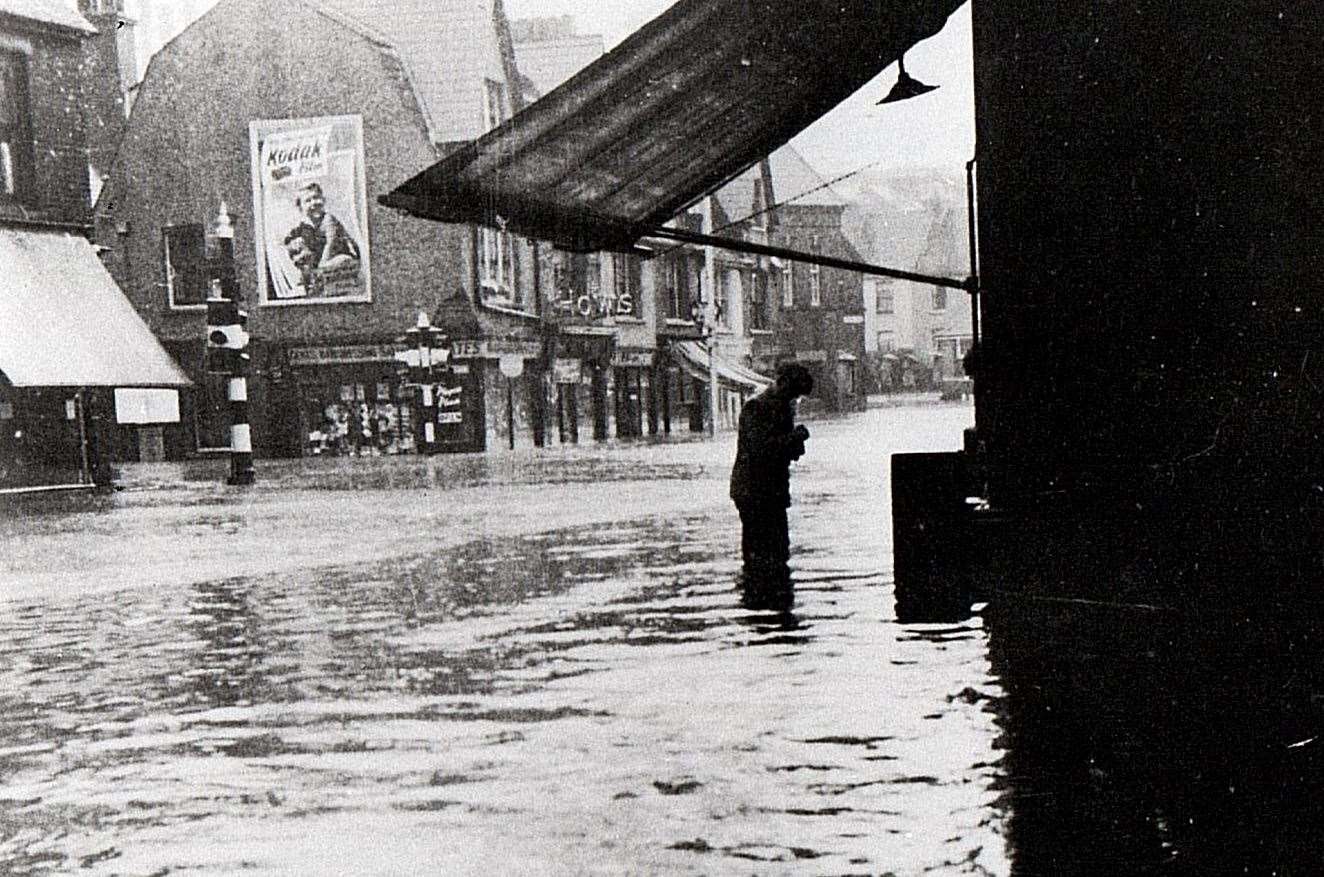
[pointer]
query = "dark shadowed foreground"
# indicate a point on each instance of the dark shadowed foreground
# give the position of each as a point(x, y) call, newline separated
point(542, 665)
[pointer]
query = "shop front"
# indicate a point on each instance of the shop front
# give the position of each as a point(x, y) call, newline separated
point(496, 396)
point(70, 344)
point(349, 400)
point(582, 377)
point(736, 383)
point(632, 380)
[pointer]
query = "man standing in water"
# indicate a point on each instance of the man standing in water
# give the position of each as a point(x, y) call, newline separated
point(768, 442)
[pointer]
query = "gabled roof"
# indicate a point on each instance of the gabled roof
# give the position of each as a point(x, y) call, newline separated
point(448, 46)
point(60, 13)
point(795, 181)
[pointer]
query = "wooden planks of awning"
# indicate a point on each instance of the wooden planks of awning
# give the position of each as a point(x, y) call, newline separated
point(686, 103)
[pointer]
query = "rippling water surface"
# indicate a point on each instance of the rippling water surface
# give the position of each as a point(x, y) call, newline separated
point(534, 666)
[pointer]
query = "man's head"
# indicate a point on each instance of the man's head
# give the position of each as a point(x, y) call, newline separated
point(297, 248)
point(311, 202)
point(794, 380)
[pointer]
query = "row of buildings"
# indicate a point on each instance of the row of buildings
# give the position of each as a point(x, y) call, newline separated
point(292, 119)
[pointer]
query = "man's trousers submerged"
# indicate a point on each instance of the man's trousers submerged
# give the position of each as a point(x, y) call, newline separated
point(764, 541)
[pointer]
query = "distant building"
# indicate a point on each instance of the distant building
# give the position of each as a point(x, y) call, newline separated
point(248, 105)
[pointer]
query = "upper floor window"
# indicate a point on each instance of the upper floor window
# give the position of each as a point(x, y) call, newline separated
point(498, 267)
point(815, 278)
point(15, 127)
point(108, 6)
point(187, 278)
point(788, 285)
point(758, 303)
point(495, 106)
point(626, 273)
point(886, 300)
point(939, 298)
point(679, 284)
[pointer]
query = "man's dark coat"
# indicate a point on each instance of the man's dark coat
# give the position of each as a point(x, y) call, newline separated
point(765, 448)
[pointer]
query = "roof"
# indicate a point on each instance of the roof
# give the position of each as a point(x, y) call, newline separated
point(449, 47)
point(686, 103)
point(550, 62)
point(64, 322)
point(61, 13)
point(795, 181)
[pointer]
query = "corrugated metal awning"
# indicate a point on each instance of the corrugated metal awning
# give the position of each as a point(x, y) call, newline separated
point(64, 322)
point(693, 358)
point(688, 102)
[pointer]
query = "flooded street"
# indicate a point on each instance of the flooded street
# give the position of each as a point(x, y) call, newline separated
point(541, 665)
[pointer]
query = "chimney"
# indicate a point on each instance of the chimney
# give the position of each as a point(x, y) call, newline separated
point(110, 70)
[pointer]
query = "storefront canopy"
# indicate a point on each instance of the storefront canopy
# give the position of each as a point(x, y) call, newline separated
point(689, 101)
point(64, 322)
point(692, 356)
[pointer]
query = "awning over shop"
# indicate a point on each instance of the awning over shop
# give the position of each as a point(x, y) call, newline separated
point(688, 102)
point(64, 322)
point(692, 356)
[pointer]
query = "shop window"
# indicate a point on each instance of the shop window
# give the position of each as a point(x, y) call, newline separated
point(939, 298)
point(788, 286)
point(185, 264)
point(16, 174)
point(759, 320)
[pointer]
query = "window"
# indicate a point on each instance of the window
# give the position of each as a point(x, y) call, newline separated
point(187, 278)
point(676, 277)
point(886, 301)
point(939, 298)
point(494, 103)
point(625, 277)
point(15, 128)
point(498, 276)
point(815, 277)
point(788, 286)
point(758, 303)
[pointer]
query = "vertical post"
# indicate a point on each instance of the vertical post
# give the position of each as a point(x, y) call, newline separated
point(510, 410)
point(710, 280)
point(227, 341)
point(85, 474)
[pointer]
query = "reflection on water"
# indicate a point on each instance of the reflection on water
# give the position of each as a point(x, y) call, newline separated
point(1155, 742)
point(584, 700)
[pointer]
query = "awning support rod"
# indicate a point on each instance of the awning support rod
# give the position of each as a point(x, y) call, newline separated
point(707, 240)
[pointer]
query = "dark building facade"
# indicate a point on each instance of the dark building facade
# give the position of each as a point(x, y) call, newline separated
point(79, 372)
point(248, 107)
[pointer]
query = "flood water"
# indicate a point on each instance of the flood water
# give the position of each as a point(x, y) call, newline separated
point(542, 665)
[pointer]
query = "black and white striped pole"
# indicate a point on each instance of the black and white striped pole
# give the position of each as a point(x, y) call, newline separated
point(227, 349)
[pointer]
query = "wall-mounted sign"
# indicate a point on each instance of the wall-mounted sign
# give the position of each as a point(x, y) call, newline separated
point(343, 353)
point(310, 209)
point(811, 356)
point(511, 364)
point(567, 371)
point(632, 358)
point(852, 319)
point(493, 348)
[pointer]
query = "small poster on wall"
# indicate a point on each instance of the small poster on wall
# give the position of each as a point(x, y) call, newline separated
point(310, 204)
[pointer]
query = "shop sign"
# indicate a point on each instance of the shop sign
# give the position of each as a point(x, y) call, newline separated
point(450, 417)
point(344, 353)
point(567, 371)
point(494, 348)
point(632, 359)
point(811, 356)
point(853, 319)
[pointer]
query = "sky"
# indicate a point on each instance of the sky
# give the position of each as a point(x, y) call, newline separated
point(934, 130)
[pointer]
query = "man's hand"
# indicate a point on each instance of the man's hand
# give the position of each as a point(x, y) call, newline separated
point(800, 432)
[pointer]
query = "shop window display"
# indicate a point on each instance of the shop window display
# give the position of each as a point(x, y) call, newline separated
point(359, 419)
